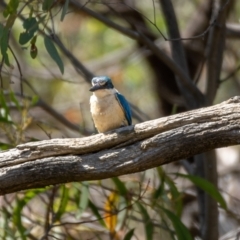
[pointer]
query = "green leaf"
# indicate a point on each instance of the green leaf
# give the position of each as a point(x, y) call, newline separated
point(1, 30)
point(34, 100)
point(11, 8)
point(33, 51)
point(5, 120)
point(4, 41)
point(31, 26)
point(17, 211)
point(129, 235)
point(149, 227)
point(4, 110)
point(159, 191)
point(30, 194)
point(96, 213)
point(65, 8)
point(52, 51)
point(176, 195)
point(63, 202)
point(24, 37)
point(208, 187)
point(17, 217)
point(14, 99)
point(180, 229)
point(34, 40)
point(7, 231)
point(4, 45)
point(120, 186)
point(5, 146)
point(47, 4)
point(83, 202)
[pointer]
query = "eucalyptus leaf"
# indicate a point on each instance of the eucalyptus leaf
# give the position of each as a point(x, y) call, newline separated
point(47, 4)
point(64, 10)
point(149, 227)
point(180, 229)
point(207, 187)
point(129, 235)
point(52, 51)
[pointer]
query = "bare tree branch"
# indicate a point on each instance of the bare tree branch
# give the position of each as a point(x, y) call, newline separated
point(126, 150)
point(215, 49)
point(178, 53)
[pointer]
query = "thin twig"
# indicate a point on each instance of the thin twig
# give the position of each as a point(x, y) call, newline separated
point(230, 75)
point(19, 69)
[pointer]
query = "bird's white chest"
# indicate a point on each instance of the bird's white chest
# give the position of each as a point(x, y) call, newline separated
point(107, 113)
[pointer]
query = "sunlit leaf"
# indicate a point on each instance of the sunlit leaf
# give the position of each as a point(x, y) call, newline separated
point(129, 235)
point(180, 229)
point(206, 186)
point(52, 51)
point(110, 215)
point(30, 194)
point(64, 10)
point(149, 227)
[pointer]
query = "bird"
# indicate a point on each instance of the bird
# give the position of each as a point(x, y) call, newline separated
point(109, 108)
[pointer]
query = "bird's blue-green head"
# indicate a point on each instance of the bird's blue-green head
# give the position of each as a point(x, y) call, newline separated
point(101, 82)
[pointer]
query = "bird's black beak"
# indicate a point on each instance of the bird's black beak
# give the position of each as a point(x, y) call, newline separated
point(94, 88)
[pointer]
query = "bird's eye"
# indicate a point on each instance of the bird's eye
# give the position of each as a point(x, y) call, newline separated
point(101, 82)
point(94, 82)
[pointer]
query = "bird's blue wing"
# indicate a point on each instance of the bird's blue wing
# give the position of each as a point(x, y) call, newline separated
point(125, 106)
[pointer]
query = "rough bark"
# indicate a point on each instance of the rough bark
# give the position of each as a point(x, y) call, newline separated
point(126, 150)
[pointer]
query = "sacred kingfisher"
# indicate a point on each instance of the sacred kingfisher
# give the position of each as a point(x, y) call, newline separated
point(109, 108)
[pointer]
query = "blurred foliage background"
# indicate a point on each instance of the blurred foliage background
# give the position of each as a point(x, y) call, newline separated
point(41, 39)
